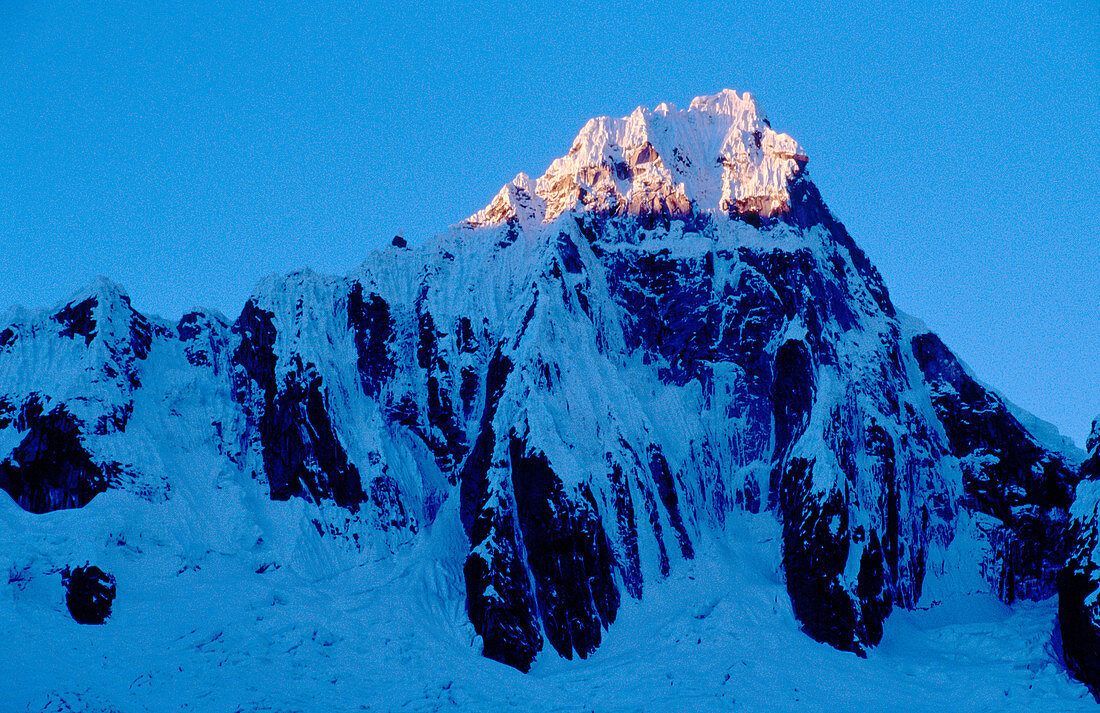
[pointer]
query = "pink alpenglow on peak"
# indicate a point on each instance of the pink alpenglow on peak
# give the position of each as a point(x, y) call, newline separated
point(718, 156)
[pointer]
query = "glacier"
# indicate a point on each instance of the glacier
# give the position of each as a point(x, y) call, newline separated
point(656, 393)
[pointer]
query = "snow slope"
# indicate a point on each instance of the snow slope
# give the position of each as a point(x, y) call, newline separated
point(389, 636)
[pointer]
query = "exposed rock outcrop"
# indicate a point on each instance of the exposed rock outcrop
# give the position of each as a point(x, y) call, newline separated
point(89, 593)
point(1079, 580)
point(49, 469)
point(1006, 474)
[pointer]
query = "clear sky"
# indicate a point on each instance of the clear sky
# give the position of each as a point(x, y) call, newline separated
point(186, 150)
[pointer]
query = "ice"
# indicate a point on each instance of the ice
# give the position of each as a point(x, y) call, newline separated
point(216, 634)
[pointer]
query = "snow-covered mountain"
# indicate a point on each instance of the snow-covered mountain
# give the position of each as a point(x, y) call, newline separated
point(576, 390)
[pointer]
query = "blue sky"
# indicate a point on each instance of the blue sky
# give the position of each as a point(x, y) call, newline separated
point(187, 151)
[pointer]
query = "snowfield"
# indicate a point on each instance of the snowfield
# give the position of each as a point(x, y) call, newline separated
point(197, 628)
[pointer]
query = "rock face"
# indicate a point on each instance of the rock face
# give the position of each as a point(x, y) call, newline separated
point(89, 593)
point(593, 372)
point(302, 453)
point(49, 469)
point(1006, 474)
point(1079, 581)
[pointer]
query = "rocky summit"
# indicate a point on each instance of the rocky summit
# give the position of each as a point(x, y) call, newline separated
point(577, 390)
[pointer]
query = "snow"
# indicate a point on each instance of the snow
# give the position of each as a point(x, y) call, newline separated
point(229, 600)
point(717, 155)
point(210, 632)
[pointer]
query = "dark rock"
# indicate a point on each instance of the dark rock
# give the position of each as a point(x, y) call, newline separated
point(90, 593)
point(500, 605)
point(1090, 469)
point(510, 233)
point(571, 259)
point(50, 469)
point(427, 337)
point(498, 599)
point(369, 318)
point(1078, 608)
point(467, 340)
point(141, 336)
point(978, 422)
point(815, 550)
point(658, 467)
point(627, 555)
point(792, 392)
point(78, 320)
point(473, 475)
point(203, 335)
point(567, 551)
point(668, 308)
point(1006, 473)
point(468, 390)
point(1079, 625)
point(808, 209)
point(255, 352)
point(650, 502)
point(302, 452)
point(871, 590)
point(441, 433)
point(385, 495)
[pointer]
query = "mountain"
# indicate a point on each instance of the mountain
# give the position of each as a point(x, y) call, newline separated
point(578, 389)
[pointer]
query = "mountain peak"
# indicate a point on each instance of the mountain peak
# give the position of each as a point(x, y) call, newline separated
point(720, 155)
point(101, 300)
point(101, 288)
point(727, 103)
